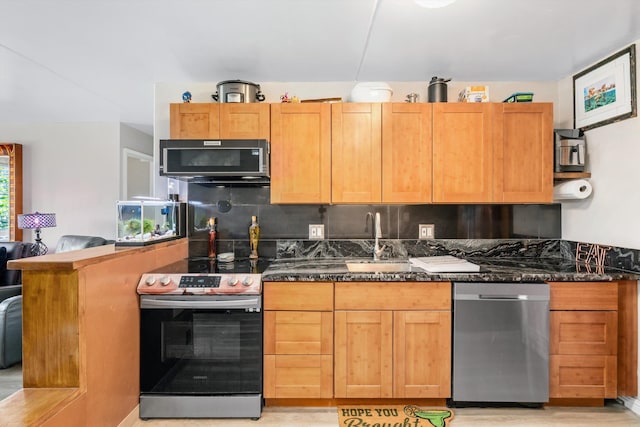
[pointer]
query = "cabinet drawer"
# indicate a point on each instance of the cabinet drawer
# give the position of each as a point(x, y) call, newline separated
point(298, 332)
point(298, 296)
point(298, 376)
point(584, 332)
point(584, 295)
point(393, 296)
point(582, 376)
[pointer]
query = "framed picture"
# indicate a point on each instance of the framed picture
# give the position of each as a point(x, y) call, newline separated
point(606, 92)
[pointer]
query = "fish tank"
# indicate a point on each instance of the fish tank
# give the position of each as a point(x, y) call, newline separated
point(145, 222)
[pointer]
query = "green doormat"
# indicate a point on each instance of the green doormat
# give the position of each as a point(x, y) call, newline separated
point(393, 416)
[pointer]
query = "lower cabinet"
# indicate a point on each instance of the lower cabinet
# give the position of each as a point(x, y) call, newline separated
point(583, 340)
point(392, 341)
point(298, 340)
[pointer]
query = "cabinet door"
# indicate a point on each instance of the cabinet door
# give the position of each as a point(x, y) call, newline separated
point(576, 376)
point(298, 376)
point(194, 121)
point(523, 147)
point(462, 153)
point(244, 121)
point(584, 332)
point(406, 153)
point(422, 354)
point(363, 354)
point(300, 153)
point(355, 153)
point(298, 332)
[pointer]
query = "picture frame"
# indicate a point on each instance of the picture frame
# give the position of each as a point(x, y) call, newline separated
point(605, 93)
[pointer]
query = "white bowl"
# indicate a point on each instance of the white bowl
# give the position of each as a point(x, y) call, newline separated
point(371, 92)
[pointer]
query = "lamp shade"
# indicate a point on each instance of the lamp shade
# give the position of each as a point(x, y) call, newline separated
point(36, 220)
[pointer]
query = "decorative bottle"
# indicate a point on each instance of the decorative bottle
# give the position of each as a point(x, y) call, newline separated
point(212, 237)
point(254, 237)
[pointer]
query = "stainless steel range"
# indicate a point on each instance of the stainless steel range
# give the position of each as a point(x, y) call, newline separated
point(200, 344)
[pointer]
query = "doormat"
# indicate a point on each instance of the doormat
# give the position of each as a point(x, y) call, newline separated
point(393, 416)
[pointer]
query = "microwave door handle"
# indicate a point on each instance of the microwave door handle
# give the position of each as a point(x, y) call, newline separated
point(208, 304)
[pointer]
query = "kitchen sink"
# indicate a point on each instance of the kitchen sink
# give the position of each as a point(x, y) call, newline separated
point(378, 266)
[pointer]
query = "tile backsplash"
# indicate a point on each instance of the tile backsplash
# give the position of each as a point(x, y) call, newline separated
point(234, 206)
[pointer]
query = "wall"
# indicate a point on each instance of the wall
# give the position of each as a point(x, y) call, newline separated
point(135, 140)
point(72, 170)
point(609, 216)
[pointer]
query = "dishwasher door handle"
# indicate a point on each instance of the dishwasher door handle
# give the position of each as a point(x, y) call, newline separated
point(498, 297)
point(504, 297)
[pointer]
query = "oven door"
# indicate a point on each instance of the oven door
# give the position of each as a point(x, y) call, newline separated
point(200, 345)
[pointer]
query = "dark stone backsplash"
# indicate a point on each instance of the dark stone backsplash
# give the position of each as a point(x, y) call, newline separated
point(505, 231)
point(464, 248)
point(234, 206)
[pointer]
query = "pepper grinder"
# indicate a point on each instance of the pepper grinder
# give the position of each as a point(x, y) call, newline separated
point(254, 237)
point(212, 237)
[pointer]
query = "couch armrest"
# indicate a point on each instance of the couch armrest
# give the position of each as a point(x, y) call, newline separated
point(10, 331)
point(10, 291)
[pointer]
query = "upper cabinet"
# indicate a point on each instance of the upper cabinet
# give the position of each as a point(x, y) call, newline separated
point(221, 121)
point(462, 153)
point(356, 153)
point(406, 153)
point(493, 153)
point(244, 121)
point(194, 121)
point(390, 152)
point(523, 153)
point(301, 153)
point(381, 153)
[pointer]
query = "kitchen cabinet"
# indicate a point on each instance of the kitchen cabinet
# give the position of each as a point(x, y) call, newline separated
point(381, 153)
point(523, 153)
point(396, 342)
point(493, 153)
point(462, 153)
point(221, 121)
point(301, 153)
point(194, 121)
point(356, 153)
point(406, 153)
point(298, 340)
point(583, 340)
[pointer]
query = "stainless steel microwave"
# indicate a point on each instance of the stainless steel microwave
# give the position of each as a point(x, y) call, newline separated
point(219, 160)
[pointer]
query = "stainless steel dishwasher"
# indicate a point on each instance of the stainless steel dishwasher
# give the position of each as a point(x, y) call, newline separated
point(500, 343)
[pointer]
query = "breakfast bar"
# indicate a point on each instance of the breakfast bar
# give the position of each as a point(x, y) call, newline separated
point(80, 335)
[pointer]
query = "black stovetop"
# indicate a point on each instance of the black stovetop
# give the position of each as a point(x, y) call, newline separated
point(204, 265)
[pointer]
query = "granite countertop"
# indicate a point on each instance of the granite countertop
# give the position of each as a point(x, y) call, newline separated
point(492, 269)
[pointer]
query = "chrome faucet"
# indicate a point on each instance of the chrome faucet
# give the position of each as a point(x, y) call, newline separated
point(377, 232)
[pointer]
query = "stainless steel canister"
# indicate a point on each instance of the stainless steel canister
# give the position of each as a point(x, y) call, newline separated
point(437, 91)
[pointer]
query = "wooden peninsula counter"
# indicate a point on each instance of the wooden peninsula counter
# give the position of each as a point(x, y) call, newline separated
point(81, 335)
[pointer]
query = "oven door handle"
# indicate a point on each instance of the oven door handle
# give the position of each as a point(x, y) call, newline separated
point(249, 303)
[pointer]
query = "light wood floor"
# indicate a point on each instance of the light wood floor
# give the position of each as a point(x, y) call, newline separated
point(612, 415)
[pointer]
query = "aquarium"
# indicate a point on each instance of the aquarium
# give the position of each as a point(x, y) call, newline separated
point(146, 221)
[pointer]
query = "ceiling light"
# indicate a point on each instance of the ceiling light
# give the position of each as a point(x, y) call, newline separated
point(432, 4)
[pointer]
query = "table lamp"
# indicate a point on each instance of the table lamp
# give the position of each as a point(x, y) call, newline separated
point(37, 221)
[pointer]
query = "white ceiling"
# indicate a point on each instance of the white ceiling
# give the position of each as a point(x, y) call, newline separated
point(98, 60)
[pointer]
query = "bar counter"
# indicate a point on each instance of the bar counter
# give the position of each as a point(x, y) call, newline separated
point(81, 335)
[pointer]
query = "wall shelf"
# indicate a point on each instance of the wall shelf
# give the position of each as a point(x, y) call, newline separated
point(571, 175)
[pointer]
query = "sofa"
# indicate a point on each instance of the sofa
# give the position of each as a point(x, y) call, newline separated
point(72, 242)
point(11, 303)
